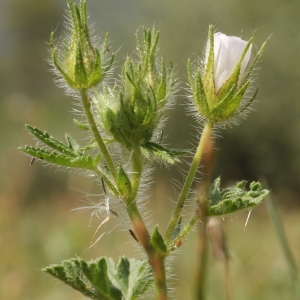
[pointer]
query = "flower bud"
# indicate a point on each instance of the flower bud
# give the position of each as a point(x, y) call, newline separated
point(133, 113)
point(80, 64)
point(220, 83)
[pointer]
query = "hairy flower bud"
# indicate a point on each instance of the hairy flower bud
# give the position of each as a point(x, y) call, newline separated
point(220, 83)
point(132, 113)
point(78, 61)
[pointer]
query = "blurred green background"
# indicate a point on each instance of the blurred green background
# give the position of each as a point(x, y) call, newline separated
point(37, 224)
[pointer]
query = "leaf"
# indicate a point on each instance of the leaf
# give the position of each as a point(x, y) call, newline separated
point(158, 242)
point(81, 162)
point(124, 184)
point(81, 125)
point(132, 277)
point(234, 198)
point(50, 141)
point(73, 145)
point(167, 155)
point(89, 278)
point(100, 279)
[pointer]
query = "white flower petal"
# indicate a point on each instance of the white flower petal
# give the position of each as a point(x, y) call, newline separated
point(227, 53)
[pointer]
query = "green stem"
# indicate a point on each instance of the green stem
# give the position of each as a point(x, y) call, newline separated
point(184, 231)
point(189, 180)
point(156, 261)
point(87, 109)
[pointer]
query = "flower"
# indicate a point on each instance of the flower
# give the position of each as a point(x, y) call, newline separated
point(219, 84)
point(228, 51)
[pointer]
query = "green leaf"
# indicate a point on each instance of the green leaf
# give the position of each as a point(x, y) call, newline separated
point(132, 277)
point(81, 162)
point(234, 198)
point(89, 278)
point(50, 141)
point(124, 184)
point(81, 125)
point(167, 155)
point(158, 242)
point(73, 145)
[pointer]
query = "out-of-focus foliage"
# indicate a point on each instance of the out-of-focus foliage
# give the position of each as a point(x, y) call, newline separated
point(37, 227)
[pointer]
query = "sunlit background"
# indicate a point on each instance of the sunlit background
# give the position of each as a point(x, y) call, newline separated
point(38, 225)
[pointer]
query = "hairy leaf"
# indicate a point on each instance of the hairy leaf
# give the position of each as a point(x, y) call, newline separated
point(81, 162)
point(90, 279)
point(169, 156)
point(158, 242)
point(131, 276)
point(50, 141)
point(100, 279)
point(234, 198)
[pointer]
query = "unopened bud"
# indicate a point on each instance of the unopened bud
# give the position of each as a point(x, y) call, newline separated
point(78, 61)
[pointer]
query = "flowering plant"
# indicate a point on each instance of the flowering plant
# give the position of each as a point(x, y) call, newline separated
point(125, 122)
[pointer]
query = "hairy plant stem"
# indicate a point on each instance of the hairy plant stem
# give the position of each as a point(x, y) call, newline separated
point(87, 109)
point(189, 180)
point(156, 261)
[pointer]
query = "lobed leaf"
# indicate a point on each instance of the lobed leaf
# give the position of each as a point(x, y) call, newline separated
point(50, 141)
point(100, 279)
point(80, 162)
point(89, 278)
point(234, 198)
point(131, 276)
point(170, 156)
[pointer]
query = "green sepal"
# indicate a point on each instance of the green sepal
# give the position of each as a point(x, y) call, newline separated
point(132, 277)
point(96, 75)
point(158, 242)
point(208, 77)
point(169, 156)
point(124, 183)
point(81, 162)
point(249, 102)
point(234, 198)
point(227, 107)
point(50, 141)
point(68, 80)
point(199, 95)
point(258, 55)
